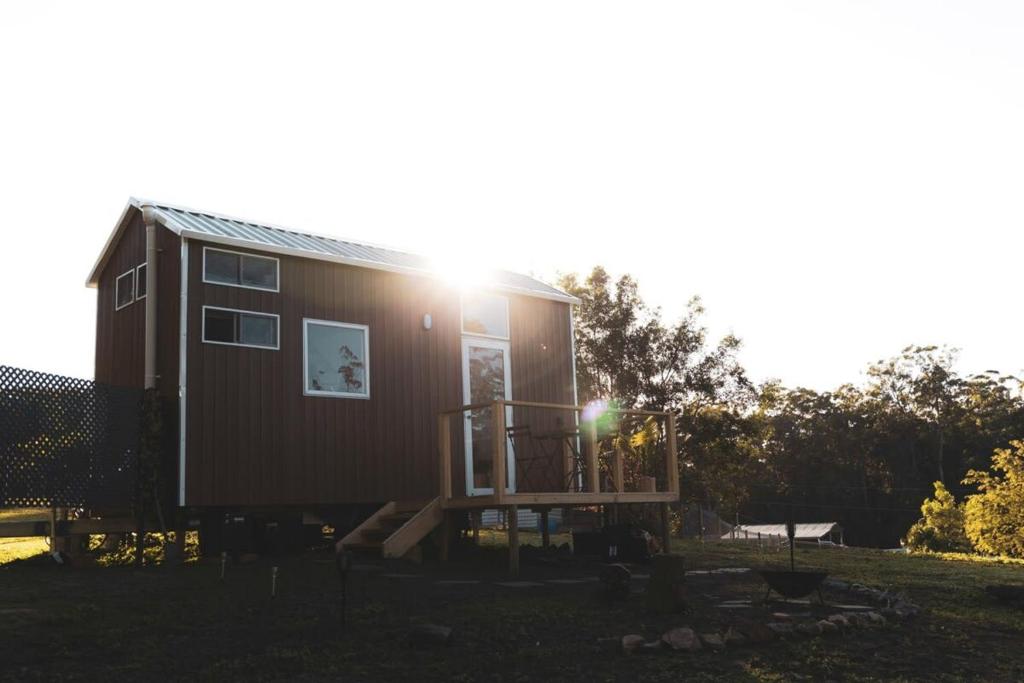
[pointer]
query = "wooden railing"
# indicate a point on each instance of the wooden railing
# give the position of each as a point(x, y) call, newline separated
point(583, 490)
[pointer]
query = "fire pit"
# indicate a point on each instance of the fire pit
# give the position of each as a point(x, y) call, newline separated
point(791, 583)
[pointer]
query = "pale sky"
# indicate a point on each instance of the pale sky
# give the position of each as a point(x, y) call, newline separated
point(836, 179)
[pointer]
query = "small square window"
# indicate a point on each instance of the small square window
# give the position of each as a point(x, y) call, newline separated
point(221, 267)
point(240, 328)
point(124, 290)
point(140, 282)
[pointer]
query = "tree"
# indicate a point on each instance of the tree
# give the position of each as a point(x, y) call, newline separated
point(941, 527)
point(994, 517)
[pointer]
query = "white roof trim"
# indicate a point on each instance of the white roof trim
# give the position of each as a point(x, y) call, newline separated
point(184, 231)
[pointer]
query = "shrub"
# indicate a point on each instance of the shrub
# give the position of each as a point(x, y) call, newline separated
point(941, 527)
point(994, 517)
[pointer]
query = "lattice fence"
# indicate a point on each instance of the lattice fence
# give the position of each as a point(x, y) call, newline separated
point(66, 442)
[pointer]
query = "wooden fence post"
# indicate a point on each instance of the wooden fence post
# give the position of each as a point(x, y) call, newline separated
point(513, 540)
point(593, 476)
point(671, 456)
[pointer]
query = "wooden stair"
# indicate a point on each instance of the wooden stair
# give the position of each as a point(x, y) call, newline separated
point(395, 529)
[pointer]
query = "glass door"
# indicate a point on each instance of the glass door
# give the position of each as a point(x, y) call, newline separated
point(485, 377)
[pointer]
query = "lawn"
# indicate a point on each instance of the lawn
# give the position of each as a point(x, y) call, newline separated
point(184, 622)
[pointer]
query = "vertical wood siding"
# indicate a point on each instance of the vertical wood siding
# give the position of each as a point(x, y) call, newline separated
point(255, 439)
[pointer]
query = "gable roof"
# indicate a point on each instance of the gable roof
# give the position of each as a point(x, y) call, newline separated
point(220, 229)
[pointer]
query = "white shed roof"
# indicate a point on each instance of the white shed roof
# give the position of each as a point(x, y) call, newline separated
point(212, 227)
point(811, 531)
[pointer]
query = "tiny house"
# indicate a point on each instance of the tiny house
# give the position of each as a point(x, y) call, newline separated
point(309, 373)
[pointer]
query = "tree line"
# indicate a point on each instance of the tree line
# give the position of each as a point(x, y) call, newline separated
point(863, 455)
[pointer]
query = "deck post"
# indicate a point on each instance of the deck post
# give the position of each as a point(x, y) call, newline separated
point(444, 439)
point(446, 534)
point(671, 456)
point(513, 539)
point(500, 443)
point(666, 531)
point(545, 532)
point(593, 478)
point(617, 469)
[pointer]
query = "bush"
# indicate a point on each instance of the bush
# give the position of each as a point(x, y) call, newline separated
point(994, 517)
point(941, 528)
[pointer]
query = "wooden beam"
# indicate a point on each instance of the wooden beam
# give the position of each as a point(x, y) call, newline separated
point(554, 406)
point(545, 532)
point(444, 442)
point(562, 499)
point(618, 478)
point(500, 442)
point(356, 535)
point(568, 462)
point(671, 456)
point(446, 534)
point(666, 531)
point(593, 478)
point(513, 540)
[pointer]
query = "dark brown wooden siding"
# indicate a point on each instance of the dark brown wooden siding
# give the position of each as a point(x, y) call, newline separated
point(253, 438)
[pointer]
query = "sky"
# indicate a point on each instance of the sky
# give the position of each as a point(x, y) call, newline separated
point(836, 180)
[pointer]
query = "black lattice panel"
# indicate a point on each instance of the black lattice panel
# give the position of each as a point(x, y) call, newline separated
point(66, 442)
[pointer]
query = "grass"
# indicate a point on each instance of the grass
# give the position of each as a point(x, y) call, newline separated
point(183, 622)
point(20, 548)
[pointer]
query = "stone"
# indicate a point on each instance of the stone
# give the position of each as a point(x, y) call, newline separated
point(428, 635)
point(757, 633)
point(890, 613)
point(650, 647)
point(780, 629)
point(828, 628)
point(733, 638)
point(875, 619)
point(712, 641)
point(632, 642)
point(835, 584)
point(615, 578)
point(839, 620)
point(809, 629)
point(682, 639)
point(858, 619)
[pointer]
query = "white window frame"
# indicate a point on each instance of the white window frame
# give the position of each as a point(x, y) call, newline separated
point(277, 341)
point(508, 318)
point(306, 391)
point(130, 271)
point(139, 268)
point(277, 269)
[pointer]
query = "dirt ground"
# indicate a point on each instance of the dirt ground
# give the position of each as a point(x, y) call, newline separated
point(184, 622)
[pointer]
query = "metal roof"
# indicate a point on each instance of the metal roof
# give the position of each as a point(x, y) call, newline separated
point(811, 531)
point(212, 227)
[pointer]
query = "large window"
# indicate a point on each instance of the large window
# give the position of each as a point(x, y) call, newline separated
point(335, 359)
point(124, 289)
point(485, 315)
point(234, 268)
point(240, 328)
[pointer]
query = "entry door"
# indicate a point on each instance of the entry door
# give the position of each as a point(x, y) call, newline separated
point(485, 376)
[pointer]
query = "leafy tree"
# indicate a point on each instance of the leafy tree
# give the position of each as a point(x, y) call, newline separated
point(941, 527)
point(994, 516)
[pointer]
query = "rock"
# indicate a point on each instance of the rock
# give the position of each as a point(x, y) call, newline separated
point(839, 620)
point(875, 619)
point(828, 628)
point(650, 647)
point(782, 630)
point(682, 638)
point(427, 635)
point(890, 613)
point(835, 584)
point(734, 638)
point(632, 642)
point(757, 633)
point(858, 619)
point(615, 578)
point(809, 629)
point(712, 641)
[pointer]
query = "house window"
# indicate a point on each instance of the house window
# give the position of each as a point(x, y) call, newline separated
point(124, 289)
point(234, 268)
point(240, 328)
point(485, 315)
point(335, 359)
point(140, 282)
